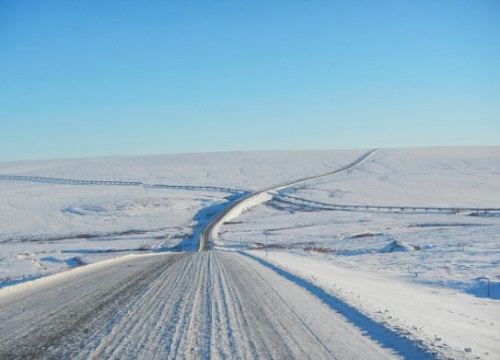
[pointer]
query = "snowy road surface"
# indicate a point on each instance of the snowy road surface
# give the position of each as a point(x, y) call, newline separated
point(188, 305)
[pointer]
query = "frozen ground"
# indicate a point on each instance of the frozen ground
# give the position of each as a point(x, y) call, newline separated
point(422, 271)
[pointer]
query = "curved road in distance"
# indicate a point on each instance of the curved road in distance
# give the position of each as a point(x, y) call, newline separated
point(206, 237)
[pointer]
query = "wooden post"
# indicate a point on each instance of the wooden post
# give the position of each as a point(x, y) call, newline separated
point(267, 245)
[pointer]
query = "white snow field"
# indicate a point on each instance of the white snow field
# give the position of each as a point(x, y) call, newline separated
point(400, 254)
point(55, 214)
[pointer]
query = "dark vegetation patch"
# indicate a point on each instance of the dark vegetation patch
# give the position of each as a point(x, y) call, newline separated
point(360, 236)
point(318, 249)
point(87, 236)
point(274, 246)
point(425, 225)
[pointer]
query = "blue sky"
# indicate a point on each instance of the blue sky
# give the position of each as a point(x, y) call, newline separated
point(98, 78)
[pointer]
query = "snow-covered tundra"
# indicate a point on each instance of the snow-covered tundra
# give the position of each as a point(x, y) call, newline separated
point(407, 240)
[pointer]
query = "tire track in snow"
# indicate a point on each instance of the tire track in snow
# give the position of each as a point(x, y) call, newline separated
point(50, 313)
point(194, 305)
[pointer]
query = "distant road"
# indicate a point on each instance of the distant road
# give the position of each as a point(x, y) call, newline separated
point(167, 306)
point(207, 235)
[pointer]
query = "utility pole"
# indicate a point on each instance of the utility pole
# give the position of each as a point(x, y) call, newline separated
point(267, 245)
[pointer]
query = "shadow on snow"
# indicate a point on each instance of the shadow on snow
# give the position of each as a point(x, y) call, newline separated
point(386, 337)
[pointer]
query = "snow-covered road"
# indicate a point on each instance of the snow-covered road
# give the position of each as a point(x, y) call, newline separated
point(191, 305)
